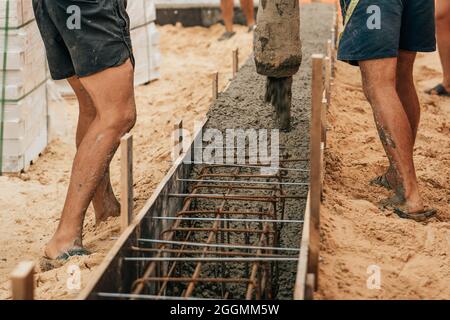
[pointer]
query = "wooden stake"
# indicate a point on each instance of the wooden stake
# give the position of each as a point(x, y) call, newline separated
point(22, 281)
point(126, 183)
point(178, 138)
point(215, 86)
point(235, 62)
point(315, 166)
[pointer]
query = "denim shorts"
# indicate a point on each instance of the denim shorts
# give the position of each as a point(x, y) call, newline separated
point(83, 37)
point(380, 28)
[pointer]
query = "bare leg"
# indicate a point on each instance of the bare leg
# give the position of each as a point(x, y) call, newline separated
point(379, 82)
point(227, 7)
point(406, 89)
point(408, 96)
point(443, 38)
point(112, 93)
point(249, 11)
point(104, 201)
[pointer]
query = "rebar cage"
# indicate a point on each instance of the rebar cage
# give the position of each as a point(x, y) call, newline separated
point(224, 241)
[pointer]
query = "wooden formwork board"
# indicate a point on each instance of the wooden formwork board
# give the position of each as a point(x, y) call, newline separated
point(307, 270)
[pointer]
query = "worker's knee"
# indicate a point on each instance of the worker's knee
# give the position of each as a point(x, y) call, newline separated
point(374, 89)
point(122, 121)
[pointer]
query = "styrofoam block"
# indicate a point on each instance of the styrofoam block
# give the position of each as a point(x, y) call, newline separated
point(150, 10)
point(136, 12)
point(20, 12)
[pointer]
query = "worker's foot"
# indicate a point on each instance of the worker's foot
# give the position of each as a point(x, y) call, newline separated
point(105, 208)
point(439, 90)
point(227, 35)
point(251, 28)
point(62, 248)
point(408, 209)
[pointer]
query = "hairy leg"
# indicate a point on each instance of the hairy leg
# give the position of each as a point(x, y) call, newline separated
point(379, 82)
point(105, 202)
point(112, 93)
point(443, 38)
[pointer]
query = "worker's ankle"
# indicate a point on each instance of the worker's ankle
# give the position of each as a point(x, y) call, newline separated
point(414, 203)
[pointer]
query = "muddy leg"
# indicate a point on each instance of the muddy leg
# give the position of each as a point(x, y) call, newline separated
point(379, 82)
point(105, 202)
point(112, 93)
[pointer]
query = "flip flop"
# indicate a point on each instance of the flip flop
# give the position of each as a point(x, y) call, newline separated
point(381, 181)
point(417, 216)
point(72, 253)
point(227, 35)
point(47, 264)
point(439, 90)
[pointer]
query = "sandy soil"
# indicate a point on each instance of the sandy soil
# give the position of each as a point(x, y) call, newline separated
point(414, 258)
point(31, 203)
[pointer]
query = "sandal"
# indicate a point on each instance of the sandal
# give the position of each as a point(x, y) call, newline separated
point(47, 264)
point(416, 216)
point(439, 90)
point(381, 181)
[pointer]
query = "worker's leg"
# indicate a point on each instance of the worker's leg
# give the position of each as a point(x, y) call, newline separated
point(249, 11)
point(227, 7)
point(113, 96)
point(105, 202)
point(410, 101)
point(443, 38)
point(379, 81)
point(406, 89)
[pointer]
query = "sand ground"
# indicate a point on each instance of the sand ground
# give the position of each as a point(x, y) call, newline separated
point(31, 203)
point(413, 258)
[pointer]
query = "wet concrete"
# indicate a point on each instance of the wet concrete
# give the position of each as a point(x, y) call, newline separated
point(243, 106)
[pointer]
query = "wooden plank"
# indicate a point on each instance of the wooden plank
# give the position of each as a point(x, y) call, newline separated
point(315, 165)
point(126, 181)
point(302, 267)
point(309, 289)
point(22, 281)
point(235, 62)
point(326, 96)
point(113, 258)
point(215, 86)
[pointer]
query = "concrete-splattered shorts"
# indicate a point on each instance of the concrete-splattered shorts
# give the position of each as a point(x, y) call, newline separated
point(380, 28)
point(83, 37)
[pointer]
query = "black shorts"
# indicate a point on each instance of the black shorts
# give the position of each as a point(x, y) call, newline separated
point(379, 28)
point(83, 37)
